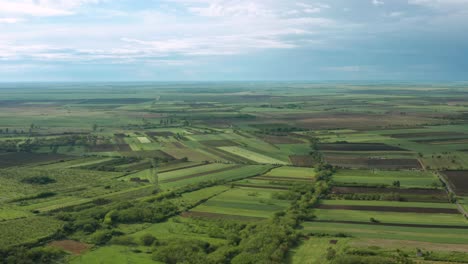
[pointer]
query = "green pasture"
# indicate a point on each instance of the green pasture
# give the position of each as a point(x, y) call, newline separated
point(388, 203)
point(289, 171)
point(226, 175)
point(244, 201)
point(390, 217)
point(435, 235)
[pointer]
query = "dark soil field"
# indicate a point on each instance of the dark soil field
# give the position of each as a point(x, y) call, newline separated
point(119, 138)
point(358, 147)
point(459, 180)
point(103, 148)
point(11, 159)
point(373, 163)
point(457, 140)
point(301, 160)
point(391, 209)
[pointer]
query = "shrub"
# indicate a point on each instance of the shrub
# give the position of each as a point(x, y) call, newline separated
point(148, 239)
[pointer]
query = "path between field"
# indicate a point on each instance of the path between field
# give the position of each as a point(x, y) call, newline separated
point(449, 189)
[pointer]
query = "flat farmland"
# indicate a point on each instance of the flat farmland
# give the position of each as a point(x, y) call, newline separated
point(25, 158)
point(250, 202)
point(403, 218)
point(281, 140)
point(301, 160)
point(389, 203)
point(389, 206)
point(191, 154)
point(231, 173)
point(291, 172)
point(192, 171)
point(358, 147)
point(433, 234)
point(406, 178)
point(256, 157)
point(237, 163)
point(405, 194)
point(373, 163)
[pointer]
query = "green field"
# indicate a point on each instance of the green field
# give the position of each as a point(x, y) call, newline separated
point(407, 179)
point(233, 172)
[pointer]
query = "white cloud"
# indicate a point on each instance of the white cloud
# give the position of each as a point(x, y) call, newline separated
point(42, 8)
point(10, 20)
point(377, 2)
point(217, 27)
point(438, 3)
point(395, 14)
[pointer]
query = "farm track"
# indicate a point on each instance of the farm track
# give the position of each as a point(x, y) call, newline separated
point(391, 209)
point(200, 174)
point(393, 224)
point(449, 188)
point(458, 180)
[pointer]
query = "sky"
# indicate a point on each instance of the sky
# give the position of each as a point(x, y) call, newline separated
point(233, 40)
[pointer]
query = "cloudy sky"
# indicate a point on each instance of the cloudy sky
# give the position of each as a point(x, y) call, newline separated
point(131, 40)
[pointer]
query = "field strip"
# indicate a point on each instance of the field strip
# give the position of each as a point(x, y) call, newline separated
point(260, 186)
point(391, 243)
point(200, 174)
point(143, 140)
point(389, 203)
point(423, 210)
point(393, 224)
point(226, 155)
point(90, 163)
point(278, 178)
point(221, 216)
point(180, 168)
point(253, 156)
